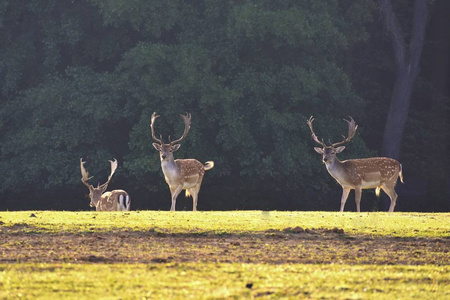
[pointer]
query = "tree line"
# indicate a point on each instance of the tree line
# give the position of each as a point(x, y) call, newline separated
point(81, 79)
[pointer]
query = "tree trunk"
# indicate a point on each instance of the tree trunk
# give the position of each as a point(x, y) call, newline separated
point(397, 115)
point(408, 65)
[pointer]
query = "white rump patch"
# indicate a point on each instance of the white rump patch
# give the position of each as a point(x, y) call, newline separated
point(128, 203)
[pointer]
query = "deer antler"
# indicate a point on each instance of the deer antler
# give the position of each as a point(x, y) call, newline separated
point(113, 169)
point(351, 132)
point(84, 174)
point(187, 126)
point(313, 135)
point(154, 117)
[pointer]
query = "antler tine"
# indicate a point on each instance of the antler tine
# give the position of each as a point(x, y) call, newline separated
point(113, 169)
point(187, 125)
point(154, 117)
point(84, 174)
point(313, 135)
point(113, 166)
point(352, 127)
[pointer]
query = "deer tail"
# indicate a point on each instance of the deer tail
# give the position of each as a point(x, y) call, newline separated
point(400, 174)
point(209, 165)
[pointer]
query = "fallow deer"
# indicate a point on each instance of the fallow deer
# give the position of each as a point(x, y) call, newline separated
point(368, 173)
point(116, 200)
point(180, 174)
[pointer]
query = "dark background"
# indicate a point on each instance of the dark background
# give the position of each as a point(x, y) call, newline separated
point(81, 78)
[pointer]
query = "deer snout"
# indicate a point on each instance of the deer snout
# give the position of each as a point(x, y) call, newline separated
point(163, 156)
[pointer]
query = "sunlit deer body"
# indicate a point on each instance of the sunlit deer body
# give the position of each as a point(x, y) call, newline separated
point(116, 200)
point(180, 174)
point(358, 174)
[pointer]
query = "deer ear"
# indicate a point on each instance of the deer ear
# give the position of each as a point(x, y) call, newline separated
point(340, 149)
point(176, 147)
point(157, 146)
point(318, 150)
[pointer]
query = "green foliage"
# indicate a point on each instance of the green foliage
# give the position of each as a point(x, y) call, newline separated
point(152, 18)
point(62, 120)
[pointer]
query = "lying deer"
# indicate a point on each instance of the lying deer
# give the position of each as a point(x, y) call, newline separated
point(368, 173)
point(116, 200)
point(180, 174)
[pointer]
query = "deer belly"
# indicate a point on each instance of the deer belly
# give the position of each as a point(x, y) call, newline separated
point(371, 180)
point(190, 181)
point(370, 184)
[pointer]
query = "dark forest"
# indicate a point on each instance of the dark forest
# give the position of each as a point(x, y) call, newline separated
point(81, 79)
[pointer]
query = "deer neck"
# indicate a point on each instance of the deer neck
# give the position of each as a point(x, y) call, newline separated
point(93, 202)
point(170, 169)
point(336, 170)
point(95, 198)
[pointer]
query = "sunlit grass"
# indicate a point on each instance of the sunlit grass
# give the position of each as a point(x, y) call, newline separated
point(169, 280)
point(379, 223)
point(222, 281)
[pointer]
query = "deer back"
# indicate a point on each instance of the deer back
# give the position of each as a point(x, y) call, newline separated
point(116, 200)
point(191, 171)
point(375, 171)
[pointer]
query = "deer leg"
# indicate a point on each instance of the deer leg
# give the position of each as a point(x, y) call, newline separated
point(120, 202)
point(194, 192)
point(345, 192)
point(128, 202)
point(175, 192)
point(390, 191)
point(358, 198)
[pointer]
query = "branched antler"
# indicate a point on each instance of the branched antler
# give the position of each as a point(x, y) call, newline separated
point(113, 169)
point(187, 125)
point(313, 135)
point(351, 132)
point(154, 117)
point(84, 174)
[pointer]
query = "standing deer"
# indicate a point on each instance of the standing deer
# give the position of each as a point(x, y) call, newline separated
point(368, 173)
point(180, 174)
point(116, 200)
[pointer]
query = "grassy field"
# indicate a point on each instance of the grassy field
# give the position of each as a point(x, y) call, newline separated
point(223, 255)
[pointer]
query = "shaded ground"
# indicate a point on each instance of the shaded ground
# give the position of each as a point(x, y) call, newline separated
point(293, 245)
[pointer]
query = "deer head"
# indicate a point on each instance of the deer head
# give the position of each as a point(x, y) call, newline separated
point(166, 150)
point(95, 193)
point(329, 152)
